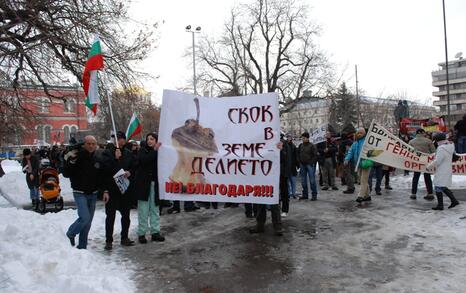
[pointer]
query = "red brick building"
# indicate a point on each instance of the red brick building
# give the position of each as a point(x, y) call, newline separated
point(54, 120)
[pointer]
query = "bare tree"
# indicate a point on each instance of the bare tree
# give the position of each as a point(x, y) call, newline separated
point(46, 42)
point(266, 46)
point(124, 103)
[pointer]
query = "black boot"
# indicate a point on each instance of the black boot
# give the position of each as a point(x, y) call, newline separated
point(258, 229)
point(142, 239)
point(452, 198)
point(157, 237)
point(439, 206)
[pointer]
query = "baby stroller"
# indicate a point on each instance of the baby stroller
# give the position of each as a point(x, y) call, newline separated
point(49, 190)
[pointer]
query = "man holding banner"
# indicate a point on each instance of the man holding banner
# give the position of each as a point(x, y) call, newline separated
point(425, 145)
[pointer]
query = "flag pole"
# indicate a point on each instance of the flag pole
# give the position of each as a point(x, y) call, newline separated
point(105, 85)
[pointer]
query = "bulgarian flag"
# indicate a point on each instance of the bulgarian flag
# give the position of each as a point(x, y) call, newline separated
point(134, 127)
point(94, 63)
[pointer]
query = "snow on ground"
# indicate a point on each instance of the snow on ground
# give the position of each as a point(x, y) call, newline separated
point(36, 256)
point(13, 185)
point(404, 182)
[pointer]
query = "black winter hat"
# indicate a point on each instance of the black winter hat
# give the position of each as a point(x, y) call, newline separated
point(121, 135)
point(27, 152)
point(439, 136)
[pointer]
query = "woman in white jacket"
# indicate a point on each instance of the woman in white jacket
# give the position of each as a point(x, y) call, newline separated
point(443, 170)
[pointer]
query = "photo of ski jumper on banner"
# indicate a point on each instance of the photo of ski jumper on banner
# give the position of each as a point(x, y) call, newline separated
point(219, 149)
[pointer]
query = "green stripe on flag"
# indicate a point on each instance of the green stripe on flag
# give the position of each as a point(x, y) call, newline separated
point(96, 49)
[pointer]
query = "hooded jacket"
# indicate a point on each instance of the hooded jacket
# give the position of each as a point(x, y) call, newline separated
point(442, 164)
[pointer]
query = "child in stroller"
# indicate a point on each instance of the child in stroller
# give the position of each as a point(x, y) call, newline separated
point(49, 190)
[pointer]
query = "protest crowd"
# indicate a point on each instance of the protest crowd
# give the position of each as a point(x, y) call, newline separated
point(332, 164)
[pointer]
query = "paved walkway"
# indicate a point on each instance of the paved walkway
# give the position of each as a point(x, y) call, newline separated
point(393, 244)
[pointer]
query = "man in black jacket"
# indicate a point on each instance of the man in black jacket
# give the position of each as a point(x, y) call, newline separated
point(460, 129)
point(307, 158)
point(87, 178)
point(327, 161)
point(117, 159)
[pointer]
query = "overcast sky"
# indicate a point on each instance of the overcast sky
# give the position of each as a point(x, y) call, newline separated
point(395, 43)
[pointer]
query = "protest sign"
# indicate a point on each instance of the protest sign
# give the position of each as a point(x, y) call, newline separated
point(383, 147)
point(318, 134)
point(219, 149)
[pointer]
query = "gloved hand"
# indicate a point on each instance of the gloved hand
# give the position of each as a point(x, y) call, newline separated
point(71, 156)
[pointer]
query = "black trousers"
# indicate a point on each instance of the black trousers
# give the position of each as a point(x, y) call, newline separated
point(386, 174)
point(187, 205)
point(285, 199)
point(427, 180)
point(262, 215)
point(250, 209)
point(110, 211)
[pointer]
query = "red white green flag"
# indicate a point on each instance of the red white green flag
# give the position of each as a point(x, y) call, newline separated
point(134, 127)
point(94, 63)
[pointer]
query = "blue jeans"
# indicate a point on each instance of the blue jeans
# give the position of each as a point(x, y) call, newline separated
point(34, 193)
point(291, 186)
point(376, 171)
point(85, 204)
point(308, 170)
point(461, 145)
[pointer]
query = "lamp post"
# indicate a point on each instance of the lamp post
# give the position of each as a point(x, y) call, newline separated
point(446, 65)
point(191, 30)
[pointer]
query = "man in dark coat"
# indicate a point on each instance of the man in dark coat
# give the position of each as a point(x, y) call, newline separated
point(307, 158)
point(293, 161)
point(87, 177)
point(31, 166)
point(285, 173)
point(460, 131)
point(117, 159)
point(327, 151)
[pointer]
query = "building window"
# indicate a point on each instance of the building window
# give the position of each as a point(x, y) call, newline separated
point(44, 133)
point(70, 106)
point(44, 105)
point(66, 134)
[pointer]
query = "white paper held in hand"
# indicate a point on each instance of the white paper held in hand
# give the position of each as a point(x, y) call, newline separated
point(121, 181)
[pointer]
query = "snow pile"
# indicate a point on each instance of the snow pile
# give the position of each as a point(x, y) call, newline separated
point(36, 256)
point(11, 166)
point(14, 188)
point(404, 182)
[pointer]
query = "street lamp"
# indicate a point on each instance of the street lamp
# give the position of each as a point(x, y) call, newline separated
point(446, 65)
point(190, 29)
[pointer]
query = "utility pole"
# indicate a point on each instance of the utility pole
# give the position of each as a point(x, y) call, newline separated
point(193, 31)
point(357, 93)
point(446, 65)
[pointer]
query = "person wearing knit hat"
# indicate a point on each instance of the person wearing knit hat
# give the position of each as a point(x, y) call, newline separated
point(443, 171)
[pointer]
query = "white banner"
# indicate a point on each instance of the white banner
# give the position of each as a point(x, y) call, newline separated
point(318, 134)
point(383, 147)
point(219, 149)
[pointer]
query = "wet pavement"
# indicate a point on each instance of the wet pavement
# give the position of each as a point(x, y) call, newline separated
point(392, 244)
